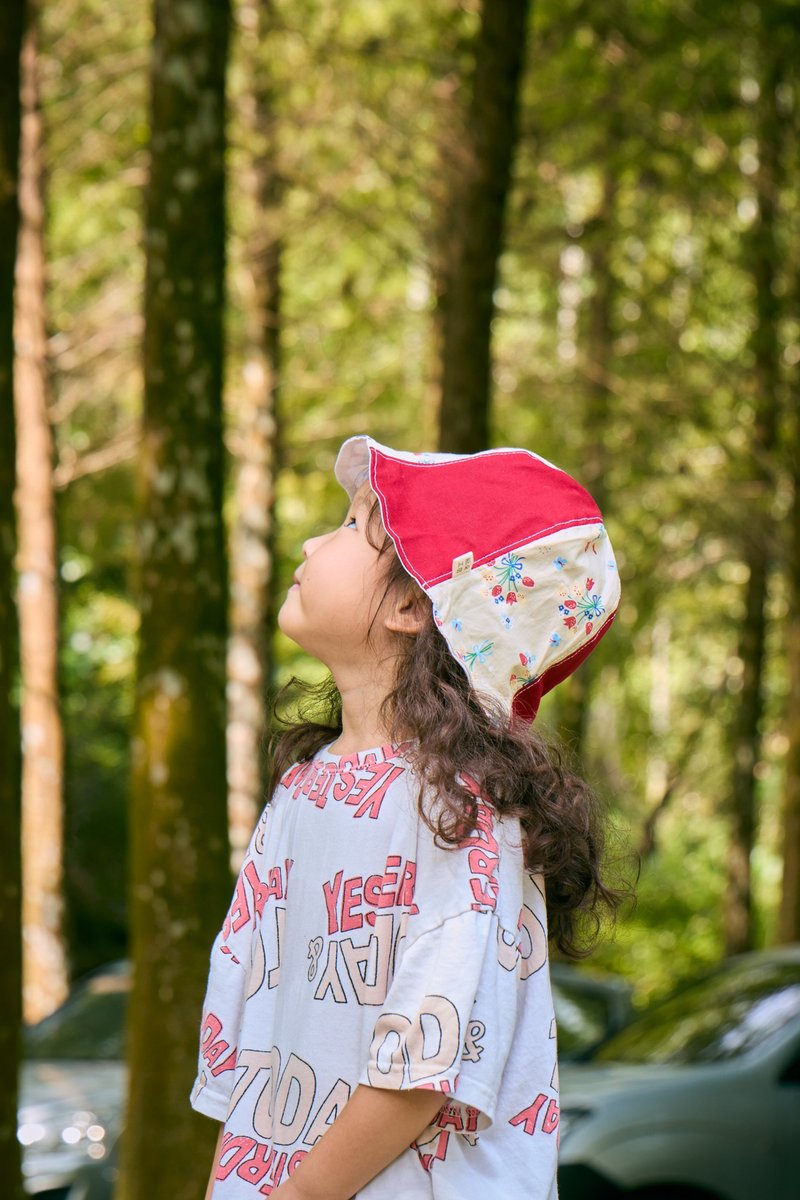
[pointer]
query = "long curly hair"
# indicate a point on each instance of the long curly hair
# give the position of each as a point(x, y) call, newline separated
point(454, 729)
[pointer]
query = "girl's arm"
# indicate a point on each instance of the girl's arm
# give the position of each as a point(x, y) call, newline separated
point(210, 1187)
point(374, 1127)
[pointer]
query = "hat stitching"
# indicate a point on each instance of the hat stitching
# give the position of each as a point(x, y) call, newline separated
point(460, 458)
point(575, 523)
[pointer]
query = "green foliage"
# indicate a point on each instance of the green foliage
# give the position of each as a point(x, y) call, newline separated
point(656, 102)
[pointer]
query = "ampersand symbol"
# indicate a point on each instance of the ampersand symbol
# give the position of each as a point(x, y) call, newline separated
point(472, 1048)
point(314, 951)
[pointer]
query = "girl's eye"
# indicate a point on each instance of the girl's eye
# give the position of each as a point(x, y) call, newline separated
point(348, 521)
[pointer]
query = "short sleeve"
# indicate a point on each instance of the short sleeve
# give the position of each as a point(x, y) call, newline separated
point(449, 1016)
point(229, 978)
point(216, 1060)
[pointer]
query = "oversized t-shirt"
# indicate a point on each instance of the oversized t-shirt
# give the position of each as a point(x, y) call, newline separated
point(358, 951)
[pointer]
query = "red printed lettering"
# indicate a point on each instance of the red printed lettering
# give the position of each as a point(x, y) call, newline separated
point(343, 785)
point(241, 1147)
point(528, 1117)
point(550, 1117)
point(331, 893)
point(239, 913)
point(351, 898)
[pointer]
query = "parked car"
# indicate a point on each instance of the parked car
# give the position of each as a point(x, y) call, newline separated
point(698, 1098)
point(73, 1084)
point(73, 1079)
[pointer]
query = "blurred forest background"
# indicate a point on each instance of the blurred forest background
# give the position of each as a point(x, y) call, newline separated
point(571, 226)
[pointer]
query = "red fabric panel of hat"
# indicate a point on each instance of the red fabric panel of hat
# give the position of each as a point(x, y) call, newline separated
point(485, 503)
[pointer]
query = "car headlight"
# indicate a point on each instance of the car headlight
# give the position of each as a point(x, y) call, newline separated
point(569, 1117)
point(61, 1129)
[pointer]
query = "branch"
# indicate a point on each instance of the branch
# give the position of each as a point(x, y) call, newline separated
point(647, 845)
point(120, 449)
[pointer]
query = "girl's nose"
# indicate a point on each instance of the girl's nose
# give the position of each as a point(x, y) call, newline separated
point(310, 544)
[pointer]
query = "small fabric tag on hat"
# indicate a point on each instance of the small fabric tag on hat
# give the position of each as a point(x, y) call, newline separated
point(462, 564)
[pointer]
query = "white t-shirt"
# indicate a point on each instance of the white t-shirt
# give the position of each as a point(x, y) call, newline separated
point(356, 950)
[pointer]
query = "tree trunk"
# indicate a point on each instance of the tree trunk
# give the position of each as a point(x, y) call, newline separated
point(479, 188)
point(44, 954)
point(746, 737)
point(597, 355)
point(180, 877)
point(256, 446)
point(789, 914)
point(11, 30)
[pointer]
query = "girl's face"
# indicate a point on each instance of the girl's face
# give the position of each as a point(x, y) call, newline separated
point(337, 590)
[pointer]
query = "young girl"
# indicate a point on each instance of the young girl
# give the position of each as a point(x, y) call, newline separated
point(379, 1019)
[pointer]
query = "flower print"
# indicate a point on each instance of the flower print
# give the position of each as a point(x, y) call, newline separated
point(456, 625)
point(507, 579)
point(584, 610)
point(559, 563)
point(507, 622)
point(592, 543)
point(479, 653)
point(437, 616)
point(511, 568)
point(524, 673)
point(555, 638)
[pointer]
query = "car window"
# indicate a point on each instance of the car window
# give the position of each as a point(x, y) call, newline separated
point(581, 1018)
point(728, 1014)
point(90, 1025)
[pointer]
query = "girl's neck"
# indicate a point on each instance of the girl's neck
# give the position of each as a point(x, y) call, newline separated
point(362, 694)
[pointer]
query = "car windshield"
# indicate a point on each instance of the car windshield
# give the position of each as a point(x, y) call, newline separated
point(582, 1018)
point(728, 1014)
point(90, 1025)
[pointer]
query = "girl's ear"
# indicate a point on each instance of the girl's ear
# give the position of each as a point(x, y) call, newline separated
point(407, 614)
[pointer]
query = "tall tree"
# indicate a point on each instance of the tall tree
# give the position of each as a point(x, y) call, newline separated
point(480, 176)
point(180, 878)
point(598, 356)
point(11, 31)
point(762, 252)
point(256, 428)
point(789, 913)
point(44, 953)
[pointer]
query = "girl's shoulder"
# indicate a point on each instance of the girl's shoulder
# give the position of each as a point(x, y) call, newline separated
point(481, 870)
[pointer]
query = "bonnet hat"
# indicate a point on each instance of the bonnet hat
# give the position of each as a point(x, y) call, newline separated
point(510, 549)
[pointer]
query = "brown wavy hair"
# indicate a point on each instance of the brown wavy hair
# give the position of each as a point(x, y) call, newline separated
point(453, 728)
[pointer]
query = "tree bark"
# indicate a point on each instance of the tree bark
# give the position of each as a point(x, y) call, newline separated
point(789, 912)
point(480, 182)
point(250, 667)
point(762, 250)
point(180, 878)
point(11, 32)
point(597, 353)
point(44, 954)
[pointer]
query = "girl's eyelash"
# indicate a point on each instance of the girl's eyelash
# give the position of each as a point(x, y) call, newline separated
point(347, 522)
